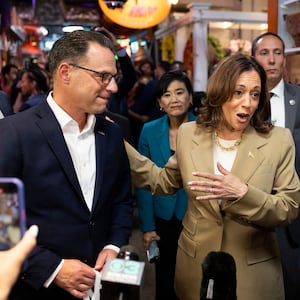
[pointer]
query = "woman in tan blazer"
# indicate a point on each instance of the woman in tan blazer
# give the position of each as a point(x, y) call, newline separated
point(238, 172)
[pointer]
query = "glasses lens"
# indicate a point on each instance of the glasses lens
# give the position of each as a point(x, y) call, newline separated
point(118, 78)
point(106, 78)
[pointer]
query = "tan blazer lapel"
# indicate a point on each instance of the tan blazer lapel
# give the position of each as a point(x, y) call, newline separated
point(248, 158)
point(204, 147)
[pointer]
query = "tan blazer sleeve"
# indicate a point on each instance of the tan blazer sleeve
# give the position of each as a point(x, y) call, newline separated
point(273, 196)
point(146, 174)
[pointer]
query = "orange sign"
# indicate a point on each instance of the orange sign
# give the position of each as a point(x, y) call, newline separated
point(138, 14)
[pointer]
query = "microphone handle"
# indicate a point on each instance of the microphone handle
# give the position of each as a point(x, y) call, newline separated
point(121, 296)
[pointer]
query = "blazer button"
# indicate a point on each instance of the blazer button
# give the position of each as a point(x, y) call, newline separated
point(219, 223)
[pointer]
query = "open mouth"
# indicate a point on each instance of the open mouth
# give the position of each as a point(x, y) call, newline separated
point(243, 117)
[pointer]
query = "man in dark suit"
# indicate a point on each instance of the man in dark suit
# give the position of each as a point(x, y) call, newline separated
point(268, 50)
point(75, 171)
point(5, 105)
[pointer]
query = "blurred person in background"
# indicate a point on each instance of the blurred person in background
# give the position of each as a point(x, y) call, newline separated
point(5, 105)
point(9, 74)
point(33, 87)
point(145, 107)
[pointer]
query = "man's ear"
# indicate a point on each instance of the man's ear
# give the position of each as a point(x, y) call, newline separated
point(64, 72)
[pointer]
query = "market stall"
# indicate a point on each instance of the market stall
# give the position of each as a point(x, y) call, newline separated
point(196, 23)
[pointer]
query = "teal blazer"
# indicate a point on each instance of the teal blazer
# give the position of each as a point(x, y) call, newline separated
point(154, 143)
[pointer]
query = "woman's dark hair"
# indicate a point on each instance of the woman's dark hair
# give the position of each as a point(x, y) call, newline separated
point(221, 87)
point(168, 77)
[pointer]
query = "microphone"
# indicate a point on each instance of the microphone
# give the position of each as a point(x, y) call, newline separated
point(128, 252)
point(218, 277)
point(122, 276)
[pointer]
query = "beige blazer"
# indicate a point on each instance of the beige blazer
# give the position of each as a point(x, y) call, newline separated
point(244, 227)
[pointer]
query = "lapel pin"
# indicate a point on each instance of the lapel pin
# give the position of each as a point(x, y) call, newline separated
point(101, 132)
point(250, 154)
point(292, 102)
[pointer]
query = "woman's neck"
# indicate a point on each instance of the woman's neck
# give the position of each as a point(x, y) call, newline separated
point(175, 122)
point(227, 134)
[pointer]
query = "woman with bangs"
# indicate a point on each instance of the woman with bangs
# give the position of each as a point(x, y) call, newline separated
point(238, 172)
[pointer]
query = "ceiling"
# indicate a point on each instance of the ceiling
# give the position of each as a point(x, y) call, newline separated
point(53, 14)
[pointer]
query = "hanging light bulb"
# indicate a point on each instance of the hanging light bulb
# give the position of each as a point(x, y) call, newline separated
point(112, 4)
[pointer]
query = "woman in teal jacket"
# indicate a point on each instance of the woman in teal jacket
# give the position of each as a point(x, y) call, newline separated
point(160, 216)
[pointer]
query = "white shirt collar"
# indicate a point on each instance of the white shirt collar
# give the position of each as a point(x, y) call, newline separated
point(278, 90)
point(65, 120)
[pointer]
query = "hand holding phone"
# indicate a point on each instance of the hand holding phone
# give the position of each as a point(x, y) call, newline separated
point(153, 252)
point(12, 212)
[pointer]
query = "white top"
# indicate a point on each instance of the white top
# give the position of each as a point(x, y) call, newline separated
point(225, 158)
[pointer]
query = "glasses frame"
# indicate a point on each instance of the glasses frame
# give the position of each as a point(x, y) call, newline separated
point(104, 77)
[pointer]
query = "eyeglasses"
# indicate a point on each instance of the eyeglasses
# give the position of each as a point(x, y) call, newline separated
point(103, 77)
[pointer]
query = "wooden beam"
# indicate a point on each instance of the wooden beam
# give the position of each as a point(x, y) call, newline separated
point(273, 15)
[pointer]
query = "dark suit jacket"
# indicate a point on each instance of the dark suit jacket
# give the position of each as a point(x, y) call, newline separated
point(292, 121)
point(35, 151)
point(123, 122)
point(289, 237)
point(5, 105)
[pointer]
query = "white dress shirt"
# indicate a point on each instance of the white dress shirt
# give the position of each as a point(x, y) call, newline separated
point(277, 105)
point(225, 158)
point(81, 146)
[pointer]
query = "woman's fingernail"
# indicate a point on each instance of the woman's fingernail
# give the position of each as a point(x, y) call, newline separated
point(33, 230)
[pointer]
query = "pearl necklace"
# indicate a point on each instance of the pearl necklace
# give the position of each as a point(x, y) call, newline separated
point(231, 148)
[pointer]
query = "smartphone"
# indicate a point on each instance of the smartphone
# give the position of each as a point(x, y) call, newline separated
point(153, 252)
point(12, 212)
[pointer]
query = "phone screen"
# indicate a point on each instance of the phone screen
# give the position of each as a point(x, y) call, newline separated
point(12, 212)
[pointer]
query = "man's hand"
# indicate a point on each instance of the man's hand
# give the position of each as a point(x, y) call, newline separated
point(103, 256)
point(75, 277)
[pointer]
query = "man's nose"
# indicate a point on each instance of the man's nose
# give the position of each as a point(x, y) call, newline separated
point(112, 86)
point(271, 58)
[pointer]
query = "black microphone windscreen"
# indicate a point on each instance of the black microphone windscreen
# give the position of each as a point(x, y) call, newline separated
point(128, 252)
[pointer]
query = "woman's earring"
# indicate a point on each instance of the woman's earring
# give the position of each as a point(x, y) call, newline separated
point(161, 109)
